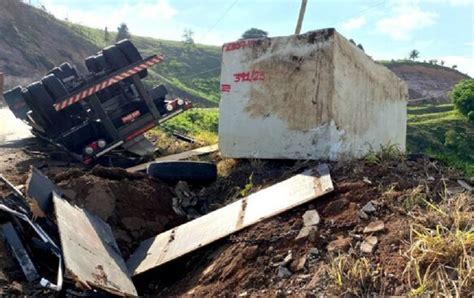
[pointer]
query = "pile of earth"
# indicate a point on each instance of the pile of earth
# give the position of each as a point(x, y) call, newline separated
point(134, 205)
point(267, 259)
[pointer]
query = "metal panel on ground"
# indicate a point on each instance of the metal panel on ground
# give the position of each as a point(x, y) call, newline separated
point(264, 204)
point(178, 156)
point(91, 255)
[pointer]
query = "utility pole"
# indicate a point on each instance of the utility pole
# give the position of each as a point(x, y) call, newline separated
point(301, 16)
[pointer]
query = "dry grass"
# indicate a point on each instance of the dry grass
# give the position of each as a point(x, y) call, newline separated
point(353, 276)
point(440, 255)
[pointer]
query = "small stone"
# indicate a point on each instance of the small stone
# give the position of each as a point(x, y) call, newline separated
point(374, 226)
point(243, 294)
point(283, 272)
point(298, 265)
point(430, 178)
point(465, 185)
point(368, 245)
point(313, 251)
point(366, 180)
point(362, 214)
point(340, 244)
point(287, 259)
point(306, 232)
point(311, 218)
point(251, 252)
point(369, 208)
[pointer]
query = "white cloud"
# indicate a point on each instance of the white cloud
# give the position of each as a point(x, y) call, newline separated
point(155, 18)
point(465, 64)
point(354, 23)
point(406, 18)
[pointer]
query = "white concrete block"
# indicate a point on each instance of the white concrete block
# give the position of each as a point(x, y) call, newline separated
point(309, 96)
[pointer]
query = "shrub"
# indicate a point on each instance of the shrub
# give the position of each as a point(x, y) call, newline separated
point(462, 97)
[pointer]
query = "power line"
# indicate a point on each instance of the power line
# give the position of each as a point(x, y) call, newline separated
point(220, 19)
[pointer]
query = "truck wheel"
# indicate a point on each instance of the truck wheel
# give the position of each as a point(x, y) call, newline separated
point(55, 87)
point(56, 71)
point(115, 58)
point(68, 71)
point(132, 54)
point(36, 115)
point(91, 64)
point(44, 104)
point(190, 171)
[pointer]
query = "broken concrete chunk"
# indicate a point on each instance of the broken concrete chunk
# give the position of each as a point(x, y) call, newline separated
point(374, 226)
point(307, 233)
point(311, 218)
point(283, 272)
point(368, 245)
point(341, 244)
point(362, 214)
point(298, 264)
point(369, 208)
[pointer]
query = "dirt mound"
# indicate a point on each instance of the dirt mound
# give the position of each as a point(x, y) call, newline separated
point(135, 206)
point(426, 80)
point(267, 259)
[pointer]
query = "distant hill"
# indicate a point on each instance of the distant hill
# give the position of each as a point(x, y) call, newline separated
point(32, 42)
point(425, 80)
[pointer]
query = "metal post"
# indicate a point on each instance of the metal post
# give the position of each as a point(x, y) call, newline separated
point(301, 16)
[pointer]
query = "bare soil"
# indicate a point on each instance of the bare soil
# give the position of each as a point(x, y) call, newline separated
point(249, 262)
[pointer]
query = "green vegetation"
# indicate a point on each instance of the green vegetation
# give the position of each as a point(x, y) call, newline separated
point(199, 123)
point(463, 98)
point(442, 132)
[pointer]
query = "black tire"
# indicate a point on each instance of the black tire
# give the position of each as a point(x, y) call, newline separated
point(115, 58)
point(189, 171)
point(36, 115)
point(55, 87)
point(56, 71)
point(132, 54)
point(91, 64)
point(68, 71)
point(100, 62)
point(43, 103)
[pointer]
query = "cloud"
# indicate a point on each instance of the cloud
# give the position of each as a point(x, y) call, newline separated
point(155, 18)
point(465, 64)
point(354, 23)
point(406, 18)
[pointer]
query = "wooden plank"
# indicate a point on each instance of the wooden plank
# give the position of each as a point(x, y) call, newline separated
point(178, 156)
point(91, 255)
point(264, 204)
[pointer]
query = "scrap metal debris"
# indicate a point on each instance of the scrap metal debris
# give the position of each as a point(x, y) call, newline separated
point(91, 255)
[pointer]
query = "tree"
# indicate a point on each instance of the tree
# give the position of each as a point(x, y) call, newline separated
point(254, 33)
point(122, 32)
point(106, 34)
point(441, 62)
point(414, 54)
point(462, 97)
point(455, 66)
point(188, 37)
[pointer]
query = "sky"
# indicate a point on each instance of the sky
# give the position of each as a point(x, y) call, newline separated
point(387, 29)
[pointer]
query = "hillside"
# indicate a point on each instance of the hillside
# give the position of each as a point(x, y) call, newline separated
point(32, 42)
point(425, 80)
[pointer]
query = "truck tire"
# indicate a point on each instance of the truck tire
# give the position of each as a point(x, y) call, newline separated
point(115, 58)
point(91, 64)
point(68, 71)
point(36, 115)
point(132, 54)
point(55, 87)
point(56, 71)
point(189, 171)
point(43, 102)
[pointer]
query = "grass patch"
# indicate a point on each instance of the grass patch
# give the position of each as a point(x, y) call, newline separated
point(201, 124)
point(441, 132)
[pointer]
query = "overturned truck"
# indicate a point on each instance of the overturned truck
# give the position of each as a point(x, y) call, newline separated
point(109, 107)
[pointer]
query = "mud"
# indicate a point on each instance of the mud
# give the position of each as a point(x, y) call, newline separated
point(135, 206)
